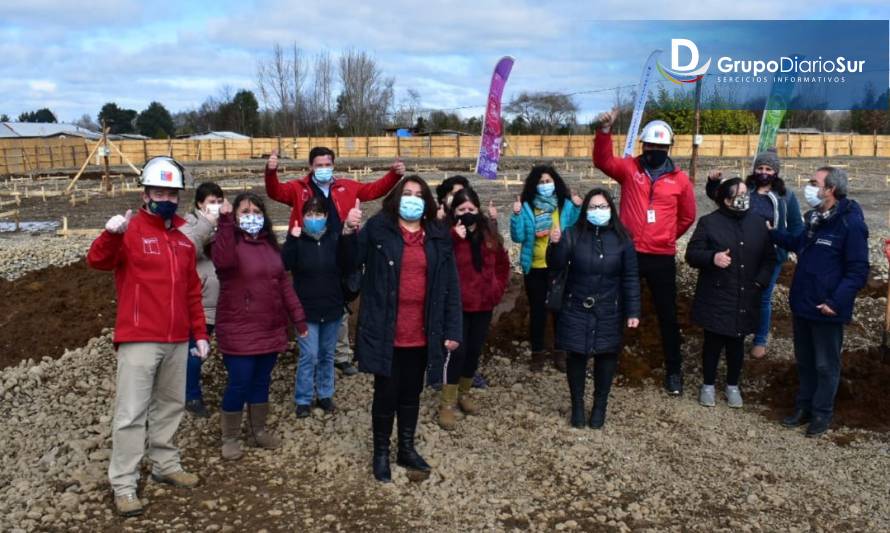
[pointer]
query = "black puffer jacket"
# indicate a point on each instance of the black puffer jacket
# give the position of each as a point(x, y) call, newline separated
point(316, 274)
point(602, 290)
point(727, 300)
point(379, 251)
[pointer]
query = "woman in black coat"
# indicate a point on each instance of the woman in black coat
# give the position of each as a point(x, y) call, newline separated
point(410, 310)
point(602, 295)
point(732, 251)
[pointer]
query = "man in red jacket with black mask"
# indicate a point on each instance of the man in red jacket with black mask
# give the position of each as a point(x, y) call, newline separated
point(158, 307)
point(340, 195)
point(657, 208)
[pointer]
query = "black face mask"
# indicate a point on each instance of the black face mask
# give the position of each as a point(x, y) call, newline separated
point(654, 158)
point(469, 219)
point(763, 179)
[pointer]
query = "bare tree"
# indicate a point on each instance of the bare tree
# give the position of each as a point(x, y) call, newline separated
point(366, 95)
point(275, 80)
point(322, 94)
point(544, 112)
point(408, 110)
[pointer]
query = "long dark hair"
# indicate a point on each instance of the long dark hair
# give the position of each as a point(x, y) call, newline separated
point(484, 226)
point(727, 189)
point(530, 189)
point(778, 184)
point(391, 203)
point(267, 223)
point(614, 220)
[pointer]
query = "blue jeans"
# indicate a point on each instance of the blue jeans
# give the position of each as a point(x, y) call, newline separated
point(817, 349)
point(766, 309)
point(315, 368)
point(193, 371)
point(249, 380)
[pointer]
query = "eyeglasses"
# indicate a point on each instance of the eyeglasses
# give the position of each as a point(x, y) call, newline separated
point(599, 206)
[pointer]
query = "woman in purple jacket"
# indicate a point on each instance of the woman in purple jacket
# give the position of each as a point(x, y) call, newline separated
point(256, 298)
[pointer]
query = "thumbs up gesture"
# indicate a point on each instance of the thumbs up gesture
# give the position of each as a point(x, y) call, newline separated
point(722, 259)
point(354, 218)
point(460, 230)
point(492, 210)
point(555, 234)
point(517, 205)
point(272, 164)
point(118, 223)
point(398, 167)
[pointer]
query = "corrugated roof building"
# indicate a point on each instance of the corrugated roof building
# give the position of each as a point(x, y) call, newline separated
point(25, 130)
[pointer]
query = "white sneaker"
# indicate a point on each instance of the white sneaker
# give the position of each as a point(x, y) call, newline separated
point(733, 396)
point(707, 396)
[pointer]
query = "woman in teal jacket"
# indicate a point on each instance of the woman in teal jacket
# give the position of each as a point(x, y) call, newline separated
point(545, 206)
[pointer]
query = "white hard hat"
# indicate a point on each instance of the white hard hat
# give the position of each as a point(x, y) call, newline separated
point(163, 172)
point(657, 132)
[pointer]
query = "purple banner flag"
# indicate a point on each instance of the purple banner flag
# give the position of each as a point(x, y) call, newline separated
point(492, 131)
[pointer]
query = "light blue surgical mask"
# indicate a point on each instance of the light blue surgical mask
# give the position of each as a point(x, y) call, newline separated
point(411, 208)
point(251, 223)
point(599, 217)
point(546, 189)
point(324, 175)
point(811, 194)
point(315, 225)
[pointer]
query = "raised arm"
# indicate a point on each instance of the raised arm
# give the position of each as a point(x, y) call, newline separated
point(280, 192)
point(379, 188)
point(105, 252)
point(224, 255)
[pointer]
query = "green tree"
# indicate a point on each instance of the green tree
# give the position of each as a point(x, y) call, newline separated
point(155, 122)
point(241, 114)
point(117, 119)
point(41, 115)
point(678, 109)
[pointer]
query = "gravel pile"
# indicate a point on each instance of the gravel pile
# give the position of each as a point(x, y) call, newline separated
point(659, 464)
point(24, 253)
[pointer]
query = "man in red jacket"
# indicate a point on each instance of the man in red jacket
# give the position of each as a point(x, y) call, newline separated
point(159, 305)
point(341, 195)
point(657, 207)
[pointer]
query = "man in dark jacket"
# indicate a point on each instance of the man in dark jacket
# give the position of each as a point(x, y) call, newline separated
point(832, 265)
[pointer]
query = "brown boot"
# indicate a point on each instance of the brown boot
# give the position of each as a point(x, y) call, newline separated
point(256, 421)
point(464, 400)
point(539, 359)
point(231, 435)
point(447, 411)
point(559, 360)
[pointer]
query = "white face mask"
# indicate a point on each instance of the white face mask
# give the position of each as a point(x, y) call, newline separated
point(213, 209)
point(811, 195)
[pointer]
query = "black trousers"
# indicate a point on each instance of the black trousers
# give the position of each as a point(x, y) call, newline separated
point(404, 384)
point(714, 343)
point(660, 274)
point(604, 367)
point(465, 360)
point(536, 291)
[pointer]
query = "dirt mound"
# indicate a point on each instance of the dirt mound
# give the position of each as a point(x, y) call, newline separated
point(49, 310)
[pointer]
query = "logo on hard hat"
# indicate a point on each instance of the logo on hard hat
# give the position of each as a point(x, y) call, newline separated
point(688, 73)
point(166, 175)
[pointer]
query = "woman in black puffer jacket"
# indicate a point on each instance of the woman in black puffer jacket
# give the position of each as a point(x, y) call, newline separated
point(602, 294)
point(732, 251)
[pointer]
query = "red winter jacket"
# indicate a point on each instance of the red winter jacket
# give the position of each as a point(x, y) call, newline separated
point(256, 296)
point(671, 196)
point(344, 192)
point(481, 291)
point(158, 290)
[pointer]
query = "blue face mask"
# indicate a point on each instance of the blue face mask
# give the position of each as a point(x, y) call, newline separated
point(164, 209)
point(599, 217)
point(546, 189)
point(324, 175)
point(315, 225)
point(251, 223)
point(411, 208)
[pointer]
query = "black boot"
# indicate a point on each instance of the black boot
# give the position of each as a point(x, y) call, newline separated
point(796, 419)
point(408, 456)
point(382, 426)
point(576, 374)
point(604, 366)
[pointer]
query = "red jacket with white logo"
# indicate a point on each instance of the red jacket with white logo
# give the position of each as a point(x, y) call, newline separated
point(344, 192)
point(158, 289)
point(671, 196)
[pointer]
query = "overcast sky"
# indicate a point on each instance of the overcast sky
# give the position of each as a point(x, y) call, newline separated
point(72, 58)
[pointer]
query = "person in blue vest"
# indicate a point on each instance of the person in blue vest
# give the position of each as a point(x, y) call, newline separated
point(545, 203)
point(832, 266)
